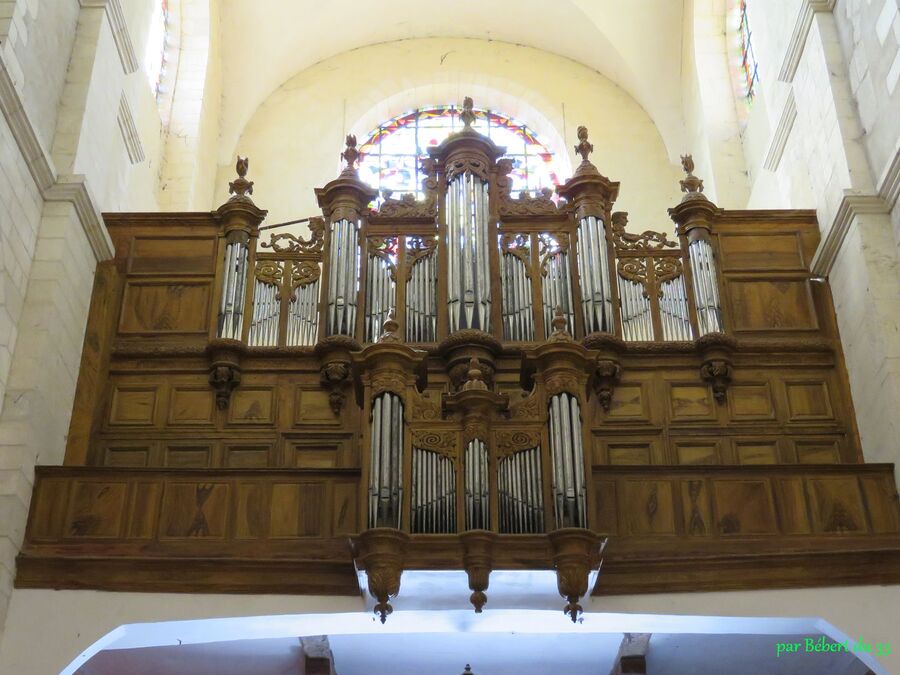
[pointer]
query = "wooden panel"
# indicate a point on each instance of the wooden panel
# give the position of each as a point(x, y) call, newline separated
point(191, 406)
point(818, 452)
point(345, 508)
point(691, 402)
point(695, 503)
point(836, 505)
point(144, 512)
point(157, 255)
point(751, 402)
point(313, 454)
point(754, 252)
point(312, 407)
point(628, 453)
point(647, 507)
point(48, 511)
point(188, 456)
point(697, 452)
point(252, 406)
point(194, 510)
point(251, 511)
point(808, 401)
point(606, 508)
point(133, 406)
point(756, 452)
point(629, 402)
point(759, 305)
point(96, 510)
point(791, 500)
point(159, 307)
point(881, 501)
point(298, 510)
point(127, 455)
point(744, 507)
point(250, 456)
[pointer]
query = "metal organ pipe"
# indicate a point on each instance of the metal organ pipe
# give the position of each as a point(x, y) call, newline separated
point(706, 290)
point(234, 283)
point(476, 486)
point(518, 322)
point(380, 296)
point(567, 454)
point(556, 292)
point(468, 241)
point(433, 493)
point(343, 277)
point(386, 461)
point(674, 310)
point(593, 272)
point(421, 305)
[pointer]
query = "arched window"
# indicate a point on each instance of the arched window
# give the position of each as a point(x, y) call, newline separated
point(390, 154)
point(749, 65)
point(157, 44)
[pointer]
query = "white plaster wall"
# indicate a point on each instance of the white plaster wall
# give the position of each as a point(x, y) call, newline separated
point(294, 139)
point(869, 612)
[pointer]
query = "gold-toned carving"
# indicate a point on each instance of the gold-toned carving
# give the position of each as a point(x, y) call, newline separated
point(552, 244)
point(560, 332)
point(383, 248)
point(575, 555)
point(407, 206)
point(304, 273)
point(691, 184)
point(478, 548)
point(380, 552)
point(626, 241)
point(285, 242)
point(350, 154)
point(270, 272)
point(424, 409)
point(444, 442)
point(240, 187)
point(528, 408)
point(418, 248)
point(562, 381)
point(606, 376)
point(390, 329)
point(510, 442)
point(517, 245)
point(393, 381)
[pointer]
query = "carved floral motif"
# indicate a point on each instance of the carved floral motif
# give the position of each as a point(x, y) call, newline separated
point(285, 242)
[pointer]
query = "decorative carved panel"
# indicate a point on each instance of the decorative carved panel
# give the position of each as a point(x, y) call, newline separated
point(165, 308)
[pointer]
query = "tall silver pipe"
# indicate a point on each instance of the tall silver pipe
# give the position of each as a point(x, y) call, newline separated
point(468, 240)
point(593, 272)
point(386, 461)
point(234, 284)
point(706, 291)
point(519, 483)
point(567, 453)
point(343, 277)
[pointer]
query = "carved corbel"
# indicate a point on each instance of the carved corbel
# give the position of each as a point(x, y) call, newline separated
point(380, 552)
point(716, 368)
point(459, 348)
point(478, 548)
point(608, 368)
point(335, 370)
point(224, 369)
point(576, 553)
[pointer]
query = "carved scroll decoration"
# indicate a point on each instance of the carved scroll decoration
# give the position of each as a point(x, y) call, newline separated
point(418, 248)
point(648, 240)
point(517, 245)
point(443, 442)
point(423, 409)
point(407, 206)
point(285, 242)
point(510, 442)
point(304, 273)
point(540, 204)
point(383, 248)
point(270, 272)
point(552, 243)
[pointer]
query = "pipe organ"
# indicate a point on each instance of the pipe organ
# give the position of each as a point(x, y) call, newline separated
point(474, 380)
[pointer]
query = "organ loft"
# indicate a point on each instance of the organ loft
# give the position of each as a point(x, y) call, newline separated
point(471, 384)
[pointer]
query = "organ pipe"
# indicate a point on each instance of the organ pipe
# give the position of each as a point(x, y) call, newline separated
point(476, 484)
point(433, 493)
point(673, 309)
point(303, 325)
point(468, 242)
point(706, 289)
point(518, 312)
point(593, 273)
point(421, 299)
point(386, 461)
point(380, 296)
point(567, 456)
point(520, 489)
point(556, 291)
point(637, 322)
point(234, 282)
point(343, 277)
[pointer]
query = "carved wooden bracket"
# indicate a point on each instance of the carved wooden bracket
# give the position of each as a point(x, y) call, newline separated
point(461, 347)
point(716, 369)
point(224, 368)
point(576, 553)
point(608, 369)
point(478, 548)
point(380, 552)
point(390, 366)
point(562, 366)
point(335, 357)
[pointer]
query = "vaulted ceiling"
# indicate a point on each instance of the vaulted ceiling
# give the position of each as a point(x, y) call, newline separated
point(636, 44)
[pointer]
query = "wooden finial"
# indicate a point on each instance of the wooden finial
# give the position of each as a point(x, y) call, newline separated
point(467, 115)
point(559, 323)
point(584, 148)
point(474, 376)
point(468, 670)
point(350, 153)
point(691, 184)
point(240, 187)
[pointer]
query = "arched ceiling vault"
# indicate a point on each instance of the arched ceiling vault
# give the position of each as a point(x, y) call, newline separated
point(636, 44)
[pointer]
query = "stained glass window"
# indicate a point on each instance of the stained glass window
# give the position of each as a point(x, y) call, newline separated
point(749, 66)
point(155, 55)
point(390, 156)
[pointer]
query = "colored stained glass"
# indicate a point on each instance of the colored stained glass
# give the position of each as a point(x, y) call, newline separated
point(391, 154)
point(749, 65)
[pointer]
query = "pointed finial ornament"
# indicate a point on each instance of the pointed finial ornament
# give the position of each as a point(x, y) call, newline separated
point(240, 187)
point(584, 148)
point(350, 154)
point(468, 114)
point(559, 324)
point(691, 185)
point(468, 670)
